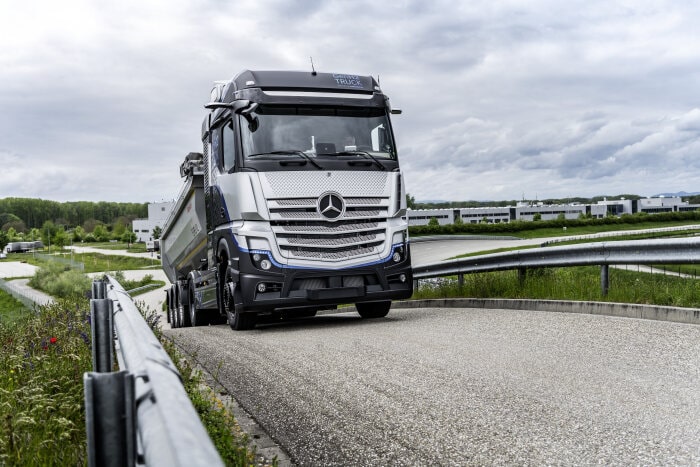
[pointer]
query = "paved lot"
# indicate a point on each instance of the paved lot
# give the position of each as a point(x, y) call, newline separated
point(16, 269)
point(466, 387)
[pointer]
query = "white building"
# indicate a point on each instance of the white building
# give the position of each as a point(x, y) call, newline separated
point(525, 211)
point(157, 215)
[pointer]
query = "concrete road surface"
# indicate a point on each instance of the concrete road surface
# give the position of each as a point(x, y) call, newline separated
point(465, 387)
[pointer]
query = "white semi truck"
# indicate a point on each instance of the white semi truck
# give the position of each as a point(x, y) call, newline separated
point(296, 203)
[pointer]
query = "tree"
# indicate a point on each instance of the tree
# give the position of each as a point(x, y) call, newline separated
point(78, 234)
point(48, 230)
point(12, 235)
point(410, 201)
point(119, 227)
point(537, 217)
point(100, 233)
point(157, 231)
point(128, 237)
point(3, 240)
point(60, 238)
point(433, 222)
point(18, 225)
point(89, 225)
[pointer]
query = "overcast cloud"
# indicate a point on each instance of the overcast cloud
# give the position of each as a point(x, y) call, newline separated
point(504, 99)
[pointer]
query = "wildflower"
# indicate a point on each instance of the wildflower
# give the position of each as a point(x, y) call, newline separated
point(85, 337)
point(53, 340)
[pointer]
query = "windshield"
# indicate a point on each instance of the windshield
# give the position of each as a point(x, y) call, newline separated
point(317, 131)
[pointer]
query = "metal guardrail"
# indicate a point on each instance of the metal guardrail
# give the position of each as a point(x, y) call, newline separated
point(142, 414)
point(620, 233)
point(604, 254)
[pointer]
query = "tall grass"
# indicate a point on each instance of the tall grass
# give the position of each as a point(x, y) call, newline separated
point(11, 309)
point(42, 360)
point(578, 283)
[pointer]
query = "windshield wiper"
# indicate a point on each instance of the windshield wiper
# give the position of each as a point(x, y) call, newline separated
point(362, 153)
point(291, 152)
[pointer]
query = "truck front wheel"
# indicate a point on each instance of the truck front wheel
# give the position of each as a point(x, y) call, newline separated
point(237, 320)
point(373, 309)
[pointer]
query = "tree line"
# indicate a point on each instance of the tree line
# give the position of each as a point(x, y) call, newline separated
point(59, 223)
point(34, 212)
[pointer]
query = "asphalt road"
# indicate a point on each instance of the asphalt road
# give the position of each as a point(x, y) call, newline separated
point(465, 387)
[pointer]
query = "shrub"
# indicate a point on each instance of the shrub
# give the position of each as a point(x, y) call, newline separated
point(60, 281)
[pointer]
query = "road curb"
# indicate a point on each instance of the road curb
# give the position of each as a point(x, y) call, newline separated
point(623, 310)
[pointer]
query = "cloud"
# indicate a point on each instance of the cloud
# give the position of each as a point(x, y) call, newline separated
point(499, 98)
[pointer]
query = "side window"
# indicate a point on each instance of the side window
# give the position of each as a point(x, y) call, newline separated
point(216, 146)
point(229, 150)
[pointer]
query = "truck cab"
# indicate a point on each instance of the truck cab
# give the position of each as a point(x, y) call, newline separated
point(303, 201)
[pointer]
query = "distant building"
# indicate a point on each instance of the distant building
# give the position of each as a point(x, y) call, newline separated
point(526, 211)
point(157, 215)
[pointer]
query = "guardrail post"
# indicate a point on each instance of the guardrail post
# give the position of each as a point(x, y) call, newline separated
point(604, 279)
point(415, 285)
point(99, 289)
point(460, 281)
point(110, 419)
point(102, 326)
point(522, 274)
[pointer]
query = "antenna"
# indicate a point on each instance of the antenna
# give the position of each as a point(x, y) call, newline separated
point(313, 70)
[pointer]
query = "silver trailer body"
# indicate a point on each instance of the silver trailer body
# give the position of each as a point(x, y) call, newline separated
point(184, 236)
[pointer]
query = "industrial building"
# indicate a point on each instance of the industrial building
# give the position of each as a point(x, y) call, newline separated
point(157, 215)
point(526, 211)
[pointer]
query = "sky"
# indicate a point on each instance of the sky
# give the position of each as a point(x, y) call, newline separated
point(501, 100)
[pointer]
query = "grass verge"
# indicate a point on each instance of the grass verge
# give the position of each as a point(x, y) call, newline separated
point(11, 309)
point(576, 283)
point(43, 356)
point(42, 360)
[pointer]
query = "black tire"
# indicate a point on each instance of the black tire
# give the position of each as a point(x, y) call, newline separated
point(183, 306)
point(237, 320)
point(369, 310)
point(197, 317)
point(172, 308)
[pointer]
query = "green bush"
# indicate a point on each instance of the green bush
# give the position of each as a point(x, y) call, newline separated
point(60, 281)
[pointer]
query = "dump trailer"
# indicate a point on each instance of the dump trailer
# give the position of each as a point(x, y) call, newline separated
point(295, 204)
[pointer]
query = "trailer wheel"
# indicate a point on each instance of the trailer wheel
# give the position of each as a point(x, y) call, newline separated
point(373, 309)
point(197, 317)
point(172, 308)
point(183, 304)
point(237, 320)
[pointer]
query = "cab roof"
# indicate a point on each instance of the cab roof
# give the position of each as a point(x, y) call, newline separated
point(305, 81)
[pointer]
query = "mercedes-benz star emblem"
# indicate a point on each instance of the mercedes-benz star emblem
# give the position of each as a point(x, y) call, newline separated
point(331, 206)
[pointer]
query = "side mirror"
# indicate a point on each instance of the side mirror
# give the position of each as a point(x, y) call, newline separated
point(251, 118)
point(243, 107)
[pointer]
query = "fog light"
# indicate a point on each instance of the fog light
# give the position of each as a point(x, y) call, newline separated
point(402, 277)
point(257, 257)
point(396, 257)
point(262, 287)
point(265, 264)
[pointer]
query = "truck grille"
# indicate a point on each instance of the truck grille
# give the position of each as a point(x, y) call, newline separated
point(302, 233)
